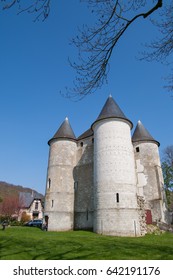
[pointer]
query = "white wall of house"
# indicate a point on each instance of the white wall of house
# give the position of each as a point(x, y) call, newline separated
point(35, 211)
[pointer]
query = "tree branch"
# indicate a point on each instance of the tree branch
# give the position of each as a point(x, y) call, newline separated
point(39, 7)
point(157, 6)
point(100, 42)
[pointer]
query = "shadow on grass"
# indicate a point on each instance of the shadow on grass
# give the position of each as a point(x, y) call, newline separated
point(34, 244)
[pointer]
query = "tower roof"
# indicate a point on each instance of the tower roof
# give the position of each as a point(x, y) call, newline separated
point(141, 134)
point(64, 132)
point(86, 134)
point(112, 110)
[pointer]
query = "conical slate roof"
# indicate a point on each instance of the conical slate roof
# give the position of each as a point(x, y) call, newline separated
point(86, 134)
point(112, 110)
point(64, 132)
point(141, 134)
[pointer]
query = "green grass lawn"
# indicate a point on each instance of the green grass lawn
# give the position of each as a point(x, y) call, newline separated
point(23, 243)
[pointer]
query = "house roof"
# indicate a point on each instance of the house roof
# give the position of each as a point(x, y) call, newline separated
point(141, 134)
point(112, 110)
point(26, 198)
point(65, 131)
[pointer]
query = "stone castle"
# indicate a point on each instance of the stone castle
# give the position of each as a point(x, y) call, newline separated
point(104, 180)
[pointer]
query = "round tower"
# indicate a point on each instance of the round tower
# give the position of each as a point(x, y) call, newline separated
point(115, 195)
point(149, 172)
point(59, 198)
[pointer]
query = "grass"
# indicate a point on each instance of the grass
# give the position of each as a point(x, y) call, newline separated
point(23, 243)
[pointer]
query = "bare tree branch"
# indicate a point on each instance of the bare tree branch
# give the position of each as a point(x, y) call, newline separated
point(162, 48)
point(115, 17)
point(9, 5)
point(39, 7)
point(96, 44)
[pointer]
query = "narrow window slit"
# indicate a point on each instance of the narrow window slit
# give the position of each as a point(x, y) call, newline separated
point(49, 183)
point(52, 203)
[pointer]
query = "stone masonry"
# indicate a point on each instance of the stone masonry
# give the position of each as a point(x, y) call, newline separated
point(104, 180)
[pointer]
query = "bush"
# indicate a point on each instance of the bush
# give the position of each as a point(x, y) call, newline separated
point(4, 218)
point(15, 223)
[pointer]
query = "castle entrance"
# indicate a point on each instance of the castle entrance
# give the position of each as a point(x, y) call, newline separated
point(148, 217)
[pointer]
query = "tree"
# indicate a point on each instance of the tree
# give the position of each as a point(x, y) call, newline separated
point(167, 167)
point(96, 44)
point(25, 217)
point(11, 206)
point(163, 48)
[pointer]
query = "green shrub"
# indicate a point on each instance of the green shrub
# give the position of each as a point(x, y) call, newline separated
point(15, 223)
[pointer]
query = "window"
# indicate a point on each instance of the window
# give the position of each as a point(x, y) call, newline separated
point(87, 214)
point(137, 149)
point(81, 144)
point(75, 185)
point(36, 205)
point(52, 203)
point(49, 183)
point(117, 197)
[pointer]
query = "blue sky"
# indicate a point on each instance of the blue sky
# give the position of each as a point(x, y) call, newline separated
point(34, 68)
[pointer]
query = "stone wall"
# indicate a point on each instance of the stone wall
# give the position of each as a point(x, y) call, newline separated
point(59, 199)
point(142, 214)
point(102, 183)
point(114, 180)
point(150, 178)
point(83, 177)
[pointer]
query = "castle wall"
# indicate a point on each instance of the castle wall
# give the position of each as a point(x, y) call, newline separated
point(83, 176)
point(101, 181)
point(59, 200)
point(147, 157)
point(115, 194)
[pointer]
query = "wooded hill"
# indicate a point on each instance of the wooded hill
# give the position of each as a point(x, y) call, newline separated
point(11, 190)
